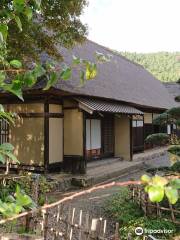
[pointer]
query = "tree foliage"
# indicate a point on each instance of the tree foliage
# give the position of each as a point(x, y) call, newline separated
point(28, 28)
point(168, 117)
point(157, 139)
point(53, 22)
point(165, 66)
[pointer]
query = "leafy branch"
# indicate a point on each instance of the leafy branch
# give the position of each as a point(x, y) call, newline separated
point(158, 187)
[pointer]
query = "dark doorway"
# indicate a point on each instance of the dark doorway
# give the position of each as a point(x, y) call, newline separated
point(108, 136)
point(138, 135)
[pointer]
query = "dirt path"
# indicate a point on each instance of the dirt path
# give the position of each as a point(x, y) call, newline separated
point(95, 201)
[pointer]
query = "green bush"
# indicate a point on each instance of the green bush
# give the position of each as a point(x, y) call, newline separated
point(175, 150)
point(121, 208)
point(176, 167)
point(25, 183)
point(155, 170)
point(174, 112)
point(158, 139)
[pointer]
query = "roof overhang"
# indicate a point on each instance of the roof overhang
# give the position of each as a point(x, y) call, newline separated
point(92, 105)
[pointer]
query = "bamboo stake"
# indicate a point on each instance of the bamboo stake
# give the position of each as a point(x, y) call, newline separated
point(80, 224)
point(72, 222)
point(87, 227)
point(116, 236)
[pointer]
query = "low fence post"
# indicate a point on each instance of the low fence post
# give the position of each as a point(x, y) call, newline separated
point(117, 236)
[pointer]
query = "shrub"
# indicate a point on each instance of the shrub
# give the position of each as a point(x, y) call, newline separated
point(158, 139)
point(176, 167)
point(174, 112)
point(121, 208)
point(155, 170)
point(175, 150)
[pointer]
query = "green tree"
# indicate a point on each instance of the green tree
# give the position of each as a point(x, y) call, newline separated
point(164, 66)
point(53, 22)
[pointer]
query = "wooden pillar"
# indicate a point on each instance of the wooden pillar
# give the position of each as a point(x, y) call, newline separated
point(131, 138)
point(83, 165)
point(46, 135)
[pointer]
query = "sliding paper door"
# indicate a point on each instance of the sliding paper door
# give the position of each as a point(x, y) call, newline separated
point(93, 138)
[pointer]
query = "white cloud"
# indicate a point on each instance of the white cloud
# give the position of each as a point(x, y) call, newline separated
point(134, 25)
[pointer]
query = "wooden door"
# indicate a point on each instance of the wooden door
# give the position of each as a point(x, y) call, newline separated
point(138, 135)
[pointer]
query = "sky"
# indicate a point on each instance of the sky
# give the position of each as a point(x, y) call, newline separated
point(134, 25)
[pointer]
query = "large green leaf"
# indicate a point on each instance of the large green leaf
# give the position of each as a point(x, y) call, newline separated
point(2, 77)
point(175, 183)
point(29, 13)
point(171, 194)
point(15, 88)
point(66, 73)
point(7, 147)
point(4, 31)
point(52, 80)
point(156, 193)
point(11, 156)
point(145, 178)
point(76, 60)
point(18, 22)
point(91, 70)
point(160, 181)
point(2, 159)
point(82, 78)
point(19, 5)
point(21, 198)
point(38, 3)
point(38, 71)
point(16, 63)
point(29, 79)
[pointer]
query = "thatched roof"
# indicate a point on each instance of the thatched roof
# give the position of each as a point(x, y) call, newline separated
point(119, 79)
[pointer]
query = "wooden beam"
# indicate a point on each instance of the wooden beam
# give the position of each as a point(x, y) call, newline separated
point(41, 115)
point(131, 139)
point(84, 143)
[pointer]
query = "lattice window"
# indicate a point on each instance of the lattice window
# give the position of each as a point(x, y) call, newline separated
point(4, 131)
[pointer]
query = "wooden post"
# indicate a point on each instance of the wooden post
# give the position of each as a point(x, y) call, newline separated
point(87, 227)
point(158, 210)
point(45, 223)
point(80, 224)
point(116, 236)
point(104, 228)
point(67, 223)
point(56, 232)
point(27, 222)
point(94, 225)
point(72, 222)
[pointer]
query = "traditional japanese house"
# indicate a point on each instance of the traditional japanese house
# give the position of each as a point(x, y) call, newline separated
point(67, 126)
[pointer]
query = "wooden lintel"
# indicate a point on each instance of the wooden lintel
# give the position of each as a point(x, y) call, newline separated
point(41, 115)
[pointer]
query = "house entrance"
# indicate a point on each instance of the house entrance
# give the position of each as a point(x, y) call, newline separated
point(108, 137)
point(99, 137)
point(138, 135)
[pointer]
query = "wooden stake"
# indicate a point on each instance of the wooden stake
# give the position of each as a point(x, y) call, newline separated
point(80, 224)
